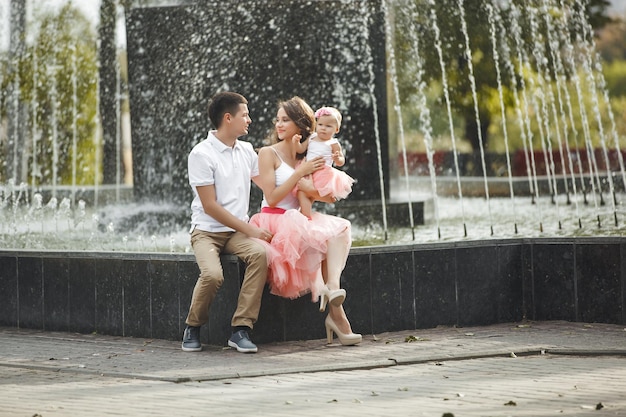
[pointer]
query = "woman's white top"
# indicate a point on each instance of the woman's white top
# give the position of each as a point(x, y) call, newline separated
point(282, 174)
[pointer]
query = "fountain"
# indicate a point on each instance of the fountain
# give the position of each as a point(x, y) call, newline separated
point(77, 263)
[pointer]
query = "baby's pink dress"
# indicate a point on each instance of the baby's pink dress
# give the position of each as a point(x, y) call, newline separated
point(328, 180)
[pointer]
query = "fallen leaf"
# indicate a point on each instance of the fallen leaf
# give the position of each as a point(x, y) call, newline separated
point(513, 403)
point(469, 334)
point(599, 406)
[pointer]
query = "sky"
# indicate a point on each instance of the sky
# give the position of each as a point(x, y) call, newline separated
point(90, 8)
point(619, 6)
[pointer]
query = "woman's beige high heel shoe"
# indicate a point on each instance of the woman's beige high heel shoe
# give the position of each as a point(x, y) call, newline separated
point(346, 339)
point(335, 297)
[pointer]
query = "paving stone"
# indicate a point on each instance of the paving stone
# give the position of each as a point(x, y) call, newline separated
point(463, 371)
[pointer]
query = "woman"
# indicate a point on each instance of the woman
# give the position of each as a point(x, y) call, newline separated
point(299, 246)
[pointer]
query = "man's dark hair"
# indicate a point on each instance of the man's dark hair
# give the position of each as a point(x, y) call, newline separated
point(222, 103)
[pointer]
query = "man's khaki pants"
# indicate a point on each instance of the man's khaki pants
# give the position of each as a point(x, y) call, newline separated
point(207, 247)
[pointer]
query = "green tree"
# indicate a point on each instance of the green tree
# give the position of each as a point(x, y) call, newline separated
point(596, 12)
point(448, 16)
point(58, 76)
point(615, 73)
point(611, 41)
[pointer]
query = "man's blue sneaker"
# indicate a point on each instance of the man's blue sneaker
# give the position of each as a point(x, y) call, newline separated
point(191, 339)
point(241, 341)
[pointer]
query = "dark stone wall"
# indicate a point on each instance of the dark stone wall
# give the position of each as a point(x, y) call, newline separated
point(328, 52)
point(389, 288)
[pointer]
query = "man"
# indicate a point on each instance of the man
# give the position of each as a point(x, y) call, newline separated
point(220, 170)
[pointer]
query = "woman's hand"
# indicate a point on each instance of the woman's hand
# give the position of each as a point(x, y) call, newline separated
point(308, 167)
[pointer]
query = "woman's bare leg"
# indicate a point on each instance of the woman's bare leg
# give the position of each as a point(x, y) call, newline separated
point(332, 267)
point(336, 256)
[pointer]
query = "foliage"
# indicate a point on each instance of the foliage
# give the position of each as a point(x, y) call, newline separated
point(615, 74)
point(62, 54)
point(536, 59)
point(596, 12)
point(611, 40)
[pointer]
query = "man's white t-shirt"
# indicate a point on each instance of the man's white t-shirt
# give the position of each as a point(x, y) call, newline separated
point(230, 170)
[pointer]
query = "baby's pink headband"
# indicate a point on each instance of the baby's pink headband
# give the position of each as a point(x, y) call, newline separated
point(328, 111)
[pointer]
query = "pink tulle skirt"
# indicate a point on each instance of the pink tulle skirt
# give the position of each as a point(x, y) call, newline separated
point(332, 181)
point(297, 249)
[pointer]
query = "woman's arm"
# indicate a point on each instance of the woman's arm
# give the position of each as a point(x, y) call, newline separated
point(268, 162)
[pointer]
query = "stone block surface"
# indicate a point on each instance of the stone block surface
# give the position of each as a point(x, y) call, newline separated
point(389, 288)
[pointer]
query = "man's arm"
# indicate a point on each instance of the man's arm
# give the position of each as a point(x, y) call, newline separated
point(212, 208)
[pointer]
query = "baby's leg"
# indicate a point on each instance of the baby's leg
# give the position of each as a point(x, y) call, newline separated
point(306, 203)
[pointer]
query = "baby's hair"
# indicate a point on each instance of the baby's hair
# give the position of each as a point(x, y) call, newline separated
point(329, 111)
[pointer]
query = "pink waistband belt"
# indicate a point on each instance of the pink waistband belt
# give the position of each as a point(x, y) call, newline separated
point(273, 210)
